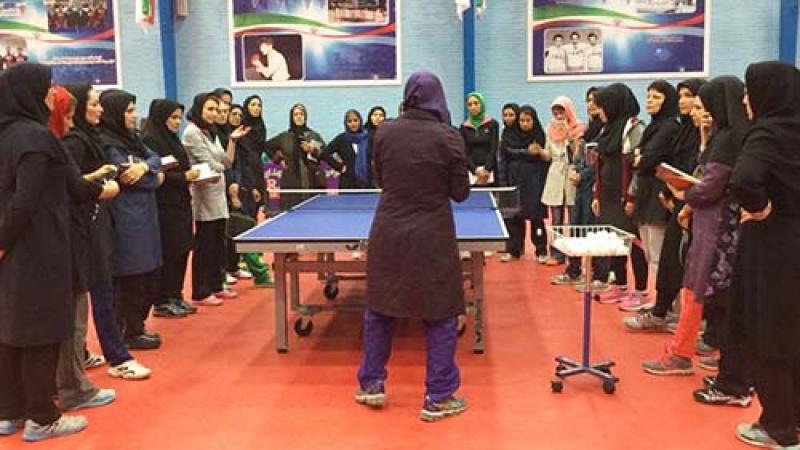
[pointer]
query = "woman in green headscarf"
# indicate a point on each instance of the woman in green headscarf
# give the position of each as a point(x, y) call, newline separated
point(481, 137)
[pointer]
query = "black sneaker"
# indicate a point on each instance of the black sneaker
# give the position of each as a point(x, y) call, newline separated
point(183, 306)
point(714, 396)
point(451, 406)
point(143, 342)
point(168, 311)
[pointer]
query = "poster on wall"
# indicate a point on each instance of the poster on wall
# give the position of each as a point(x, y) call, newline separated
point(76, 37)
point(314, 42)
point(617, 39)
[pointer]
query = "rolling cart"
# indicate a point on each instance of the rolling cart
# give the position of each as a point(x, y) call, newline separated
point(588, 242)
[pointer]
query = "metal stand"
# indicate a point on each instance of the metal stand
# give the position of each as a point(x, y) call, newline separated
point(567, 367)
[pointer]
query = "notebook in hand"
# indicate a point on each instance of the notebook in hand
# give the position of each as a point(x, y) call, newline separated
point(675, 177)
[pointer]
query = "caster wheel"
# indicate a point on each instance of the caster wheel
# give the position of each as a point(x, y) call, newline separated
point(560, 368)
point(462, 328)
point(557, 386)
point(609, 387)
point(331, 291)
point(303, 327)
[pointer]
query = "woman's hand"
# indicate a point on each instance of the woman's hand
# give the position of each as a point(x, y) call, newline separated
point(240, 132)
point(596, 207)
point(684, 217)
point(535, 149)
point(667, 203)
point(747, 216)
point(677, 193)
point(191, 174)
point(102, 172)
point(110, 190)
point(256, 195)
point(134, 173)
point(629, 208)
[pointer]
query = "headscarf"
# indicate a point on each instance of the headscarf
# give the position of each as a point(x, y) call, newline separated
point(773, 90)
point(477, 120)
point(570, 128)
point(298, 129)
point(686, 145)
point(195, 114)
point(722, 98)
point(361, 139)
point(620, 105)
point(112, 123)
point(157, 136)
point(219, 92)
point(514, 137)
point(235, 106)
point(512, 106)
point(424, 91)
point(81, 94)
point(368, 124)
point(63, 103)
point(595, 125)
point(24, 87)
point(257, 137)
point(668, 113)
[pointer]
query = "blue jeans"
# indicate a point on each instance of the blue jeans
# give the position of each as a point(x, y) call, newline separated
point(105, 323)
point(442, 377)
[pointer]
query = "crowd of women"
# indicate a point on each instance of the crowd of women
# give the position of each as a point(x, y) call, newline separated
point(103, 214)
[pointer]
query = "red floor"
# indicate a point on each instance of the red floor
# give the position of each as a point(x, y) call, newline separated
point(219, 384)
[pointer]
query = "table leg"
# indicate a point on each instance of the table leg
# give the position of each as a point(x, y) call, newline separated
point(281, 319)
point(477, 283)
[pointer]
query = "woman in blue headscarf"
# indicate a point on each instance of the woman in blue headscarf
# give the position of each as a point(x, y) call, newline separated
point(348, 153)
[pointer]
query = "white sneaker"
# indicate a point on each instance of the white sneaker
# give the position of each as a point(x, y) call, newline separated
point(243, 274)
point(93, 361)
point(9, 427)
point(508, 257)
point(64, 426)
point(488, 254)
point(230, 279)
point(466, 256)
point(129, 370)
point(357, 255)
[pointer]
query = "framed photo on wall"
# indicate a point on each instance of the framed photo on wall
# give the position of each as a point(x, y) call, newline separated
point(276, 43)
point(617, 39)
point(77, 39)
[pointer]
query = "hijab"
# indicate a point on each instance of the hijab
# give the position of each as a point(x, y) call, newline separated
point(512, 106)
point(298, 129)
point(514, 137)
point(620, 105)
point(371, 128)
point(157, 136)
point(359, 138)
point(23, 89)
point(686, 145)
point(722, 98)
point(666, 115)
point(424, 91)
point(195, 114)
point(571, 128)
point(63, 103)
point(81, 94)
point(477, 120)
point(595, 125)
point(113, 132)
point(773, 90)
point(257, 137)
point(219, 92)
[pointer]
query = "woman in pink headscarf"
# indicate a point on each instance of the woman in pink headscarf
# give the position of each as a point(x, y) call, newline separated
point(564, 134)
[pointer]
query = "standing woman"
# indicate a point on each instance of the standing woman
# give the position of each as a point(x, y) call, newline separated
point(174, 206)
point(655, 147)
point(36, 312)
point(136, 255)
point(375, 117)
point(481, 134)
point(209, 204)
point(347, 153)
point(413, 269)
point(766, 183)
point(83, 143)
point(527, 164)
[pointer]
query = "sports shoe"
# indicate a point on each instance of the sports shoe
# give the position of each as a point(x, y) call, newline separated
point(451, 406)
point(230, 279)
point(635, 301)
point(143, 342)
point(645, 321)
point(374, 396)
point(169, 311)
point(357, 255)
point(101, 398)
point(508, 257)
point(714, 396)
point(541, 259)
point(710, 363)
point(9, 427)
point(211, 300)
point(564, 279)
point(669, 365)
point(129, 370)
point(63, 426)
point(226, 294)
point(93, 361)
point(242, 274)
point(614, 294)
point(703, 349)
point(187, 308)
point(465, 256)
point(596, 287)
point(754, 434)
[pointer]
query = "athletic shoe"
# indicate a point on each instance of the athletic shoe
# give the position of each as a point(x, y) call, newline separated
point(635, 301)
point(211, 300)
point(226, 295)
point(564, 279)
point(614, 294)
point(230, 279)
point(669, 365)
point(715, 397)
point(129, 370)
point(541, 259)
point(101, 398)
point(645, 321)
point(465, 256)
point(357, 255)
point(754, 434)
point(9, 427)
point(242, 274)
point(93, 361)
point(267, 283)
point(596, 287)
point(488, 254)
point(64, 426)
point(374, 396)
point(143, 342)
point(703, 349)
point(451, 406)
point(508, 257)
point(187, 308)
point(710, 363)
point(169, 311)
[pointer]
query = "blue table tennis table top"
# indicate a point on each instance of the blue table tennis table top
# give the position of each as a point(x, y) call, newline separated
point(348, 217)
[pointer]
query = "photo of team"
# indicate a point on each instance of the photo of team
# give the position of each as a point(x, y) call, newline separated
point(569, 51)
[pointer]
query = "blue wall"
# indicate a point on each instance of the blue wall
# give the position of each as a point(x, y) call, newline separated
point(742, 32)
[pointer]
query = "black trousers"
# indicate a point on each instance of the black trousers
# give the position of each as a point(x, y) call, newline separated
point(134, 296)
point(209, 258)
point(173, 274)
point(516, 234)
point(28, 383)
point(619, 265)
point(778, 387)
point(735, 375)
point(670, 269)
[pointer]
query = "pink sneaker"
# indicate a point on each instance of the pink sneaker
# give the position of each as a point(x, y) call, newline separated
point(226, 295)
point(208, 301)
point(614, 294)
point(634, 302)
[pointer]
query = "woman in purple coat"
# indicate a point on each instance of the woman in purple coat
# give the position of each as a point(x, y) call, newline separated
point(413, 268)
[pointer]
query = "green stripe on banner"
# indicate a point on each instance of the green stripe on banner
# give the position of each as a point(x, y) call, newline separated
point(554, 12)
point(248, 20)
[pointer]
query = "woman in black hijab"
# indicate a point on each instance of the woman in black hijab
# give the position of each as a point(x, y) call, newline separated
point(174, 206)
point(766, 183)
point(620, 136)
point(510, 112)
point(375, 117)
point(36, 312)
point(136, 255)
point(522, 146)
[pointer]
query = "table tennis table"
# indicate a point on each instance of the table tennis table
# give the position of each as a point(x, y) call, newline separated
point(326, 224)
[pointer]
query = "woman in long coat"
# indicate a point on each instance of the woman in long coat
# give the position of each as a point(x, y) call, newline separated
point(413, 268)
